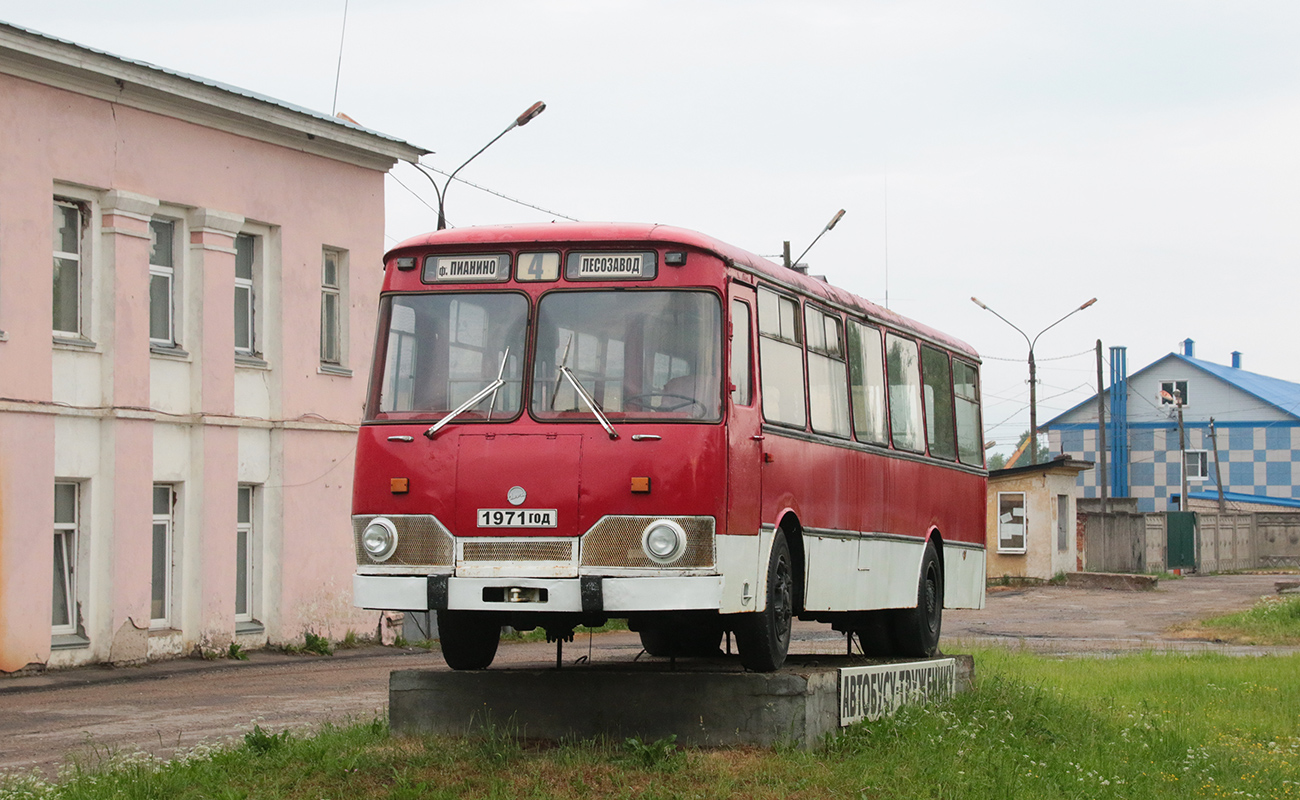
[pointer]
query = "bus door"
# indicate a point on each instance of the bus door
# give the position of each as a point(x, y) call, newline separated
point(744, 418)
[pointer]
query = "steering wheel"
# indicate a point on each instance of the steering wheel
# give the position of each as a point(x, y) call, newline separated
point(642, 401)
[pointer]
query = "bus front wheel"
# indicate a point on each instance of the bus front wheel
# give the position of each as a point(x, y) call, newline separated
point(764, 636)
point(468, 639)
point(915, 631)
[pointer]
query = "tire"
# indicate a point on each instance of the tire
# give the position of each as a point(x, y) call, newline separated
point(915, 631)
point(763, 637)
point(701, 641)
point(469, 639)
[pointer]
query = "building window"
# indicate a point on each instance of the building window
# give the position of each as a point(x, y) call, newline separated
point(1011, 522)
point(247, 252)
point(1173, 393)
point(70, 221)
point(162, 282)
point(331, 306)
point(1197, 462)
point(244, 556)
point(161, 573)
point(64, 619)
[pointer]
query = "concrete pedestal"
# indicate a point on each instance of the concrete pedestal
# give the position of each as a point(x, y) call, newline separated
point(699, 704)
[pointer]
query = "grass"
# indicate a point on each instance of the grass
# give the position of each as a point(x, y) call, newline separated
point(1139, 726)
point(1274, 620)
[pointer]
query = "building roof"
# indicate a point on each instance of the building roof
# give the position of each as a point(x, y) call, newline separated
point(1239, 497)
point(1282, 395)
point(1059, 464)
point(41, 58)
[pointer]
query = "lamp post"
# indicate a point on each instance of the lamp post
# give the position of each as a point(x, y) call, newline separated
point(1033, 370)
point(522, 119)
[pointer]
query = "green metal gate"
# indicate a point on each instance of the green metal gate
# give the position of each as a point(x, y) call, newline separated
point(1181, 540)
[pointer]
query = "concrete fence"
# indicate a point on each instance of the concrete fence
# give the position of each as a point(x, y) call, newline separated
point(1127, 541)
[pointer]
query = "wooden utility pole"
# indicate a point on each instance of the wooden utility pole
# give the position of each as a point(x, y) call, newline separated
point(1103, 477)
point(1218, 480)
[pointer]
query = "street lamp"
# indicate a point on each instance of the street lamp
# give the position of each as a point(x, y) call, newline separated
point(522, 119)
point(795, 264)
point(1033, 370)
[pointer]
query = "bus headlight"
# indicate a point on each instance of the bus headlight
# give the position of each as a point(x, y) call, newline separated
point(379, 539)
point(664, 541)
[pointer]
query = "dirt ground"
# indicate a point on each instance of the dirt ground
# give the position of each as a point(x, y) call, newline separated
point(88, 714)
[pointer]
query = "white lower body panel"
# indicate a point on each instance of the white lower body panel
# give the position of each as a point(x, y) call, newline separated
point(620, 595)
point(860, 573)
point(963, 576)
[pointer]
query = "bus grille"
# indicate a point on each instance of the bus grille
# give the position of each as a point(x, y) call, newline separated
point(421, 541)
point(616, 542)
point(516, 550)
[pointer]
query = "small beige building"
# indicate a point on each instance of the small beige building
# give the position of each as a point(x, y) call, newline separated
point(1032, 519)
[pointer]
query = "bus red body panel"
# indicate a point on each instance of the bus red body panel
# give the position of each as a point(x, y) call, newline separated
point(569, 422)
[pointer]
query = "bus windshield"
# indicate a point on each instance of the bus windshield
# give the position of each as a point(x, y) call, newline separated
point(445, 348)
point(639, 354)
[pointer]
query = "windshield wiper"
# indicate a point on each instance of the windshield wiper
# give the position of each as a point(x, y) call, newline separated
point(490, 389)
point(579, 390)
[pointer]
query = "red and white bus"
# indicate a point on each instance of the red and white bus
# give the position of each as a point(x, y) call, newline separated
point(569, 423)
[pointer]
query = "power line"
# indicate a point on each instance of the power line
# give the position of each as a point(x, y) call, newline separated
point(338, 72)
point(514, 200)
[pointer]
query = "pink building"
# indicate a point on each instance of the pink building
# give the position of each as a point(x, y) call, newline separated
point(188, 278)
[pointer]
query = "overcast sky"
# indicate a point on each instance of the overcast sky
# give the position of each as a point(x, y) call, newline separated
point(1031, 154)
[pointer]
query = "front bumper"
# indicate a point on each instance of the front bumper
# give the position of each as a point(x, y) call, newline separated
point(586, 594)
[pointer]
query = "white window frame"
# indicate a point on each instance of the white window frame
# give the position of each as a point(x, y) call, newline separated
point(781, 360)
point(171, 273)
point(828, 376)
point(337, 292)
point(165, 520)
point(1202, 458)
point(1062, 523)
point(67, 539)
point(1006, 524)
point(251, 285)
point(80, 257)
point(1169, 387)
point(247, 529)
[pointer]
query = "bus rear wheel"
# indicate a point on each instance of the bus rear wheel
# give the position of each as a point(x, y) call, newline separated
point(763, 637)
point(468, 639)
point(915, 631)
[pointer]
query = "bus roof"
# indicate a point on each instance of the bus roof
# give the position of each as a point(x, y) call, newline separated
point(647, 232)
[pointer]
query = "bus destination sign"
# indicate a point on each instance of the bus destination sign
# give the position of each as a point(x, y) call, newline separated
point(608, 266)
point(467, 269)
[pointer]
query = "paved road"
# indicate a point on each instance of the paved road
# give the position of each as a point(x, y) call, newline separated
point(91, 712)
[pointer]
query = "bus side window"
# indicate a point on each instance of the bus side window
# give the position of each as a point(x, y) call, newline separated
point(827, 378)
point(938, 403)
point(780, 358)
point(970, 444)
point(904, 393)
point(867, 382)
point(742, 393)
